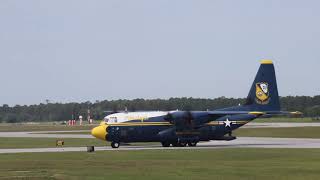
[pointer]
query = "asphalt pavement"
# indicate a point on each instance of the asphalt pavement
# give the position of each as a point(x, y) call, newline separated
point(242, 142)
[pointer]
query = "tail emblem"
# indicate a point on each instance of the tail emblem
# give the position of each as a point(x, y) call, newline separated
point(262, 93)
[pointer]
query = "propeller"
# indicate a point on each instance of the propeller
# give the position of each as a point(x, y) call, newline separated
point(180, 118)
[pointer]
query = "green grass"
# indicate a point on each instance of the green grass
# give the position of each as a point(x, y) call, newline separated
point(292, 132)
point(42, 127)
point(224, 164)
point(57, 132)
point(295, 132)
point(13, 142)
point(285, 119)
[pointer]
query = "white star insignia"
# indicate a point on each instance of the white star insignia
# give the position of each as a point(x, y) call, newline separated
point(227, 123)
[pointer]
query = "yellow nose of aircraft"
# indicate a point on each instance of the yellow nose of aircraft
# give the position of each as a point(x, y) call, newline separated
point(100, 132)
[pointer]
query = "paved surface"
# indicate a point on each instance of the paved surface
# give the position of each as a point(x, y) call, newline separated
point(244, 142)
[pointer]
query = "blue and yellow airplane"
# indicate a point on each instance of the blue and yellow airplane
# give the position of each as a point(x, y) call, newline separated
point(181, 128)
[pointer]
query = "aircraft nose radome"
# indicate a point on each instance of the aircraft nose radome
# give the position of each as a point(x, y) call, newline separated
point(99, 132)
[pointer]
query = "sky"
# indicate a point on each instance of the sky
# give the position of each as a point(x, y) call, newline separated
point(77, 51)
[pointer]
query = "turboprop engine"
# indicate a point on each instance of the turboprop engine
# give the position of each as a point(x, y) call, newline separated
point(187, 119)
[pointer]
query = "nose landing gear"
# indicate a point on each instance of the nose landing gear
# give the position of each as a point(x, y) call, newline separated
point(115, 144)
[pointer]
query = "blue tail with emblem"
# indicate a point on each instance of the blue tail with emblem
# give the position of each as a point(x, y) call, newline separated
point(263, 95)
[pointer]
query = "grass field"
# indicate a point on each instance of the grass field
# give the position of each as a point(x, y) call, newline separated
point(224, 164)
point(14, 142)
point(42, 127)
point(292, 132)
point(285, 119)
point(57, 132)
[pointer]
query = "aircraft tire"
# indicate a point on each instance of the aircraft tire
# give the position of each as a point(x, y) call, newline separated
point(182, 144)
point(192, 144)
point(165, 144)
point(175, 144)
point(115, 145)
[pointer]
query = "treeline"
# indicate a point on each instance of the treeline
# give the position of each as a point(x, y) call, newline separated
point(310, 106)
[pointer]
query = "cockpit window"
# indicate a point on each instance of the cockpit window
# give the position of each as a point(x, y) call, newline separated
point(113, 120)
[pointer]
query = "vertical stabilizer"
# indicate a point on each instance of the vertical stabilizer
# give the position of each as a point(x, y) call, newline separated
point(263, 95)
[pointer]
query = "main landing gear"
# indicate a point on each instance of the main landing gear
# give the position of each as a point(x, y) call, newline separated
point(164, 144)
point(192, 144)
point(179, 144)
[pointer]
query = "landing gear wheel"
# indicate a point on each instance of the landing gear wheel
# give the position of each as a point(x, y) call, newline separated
point(165, 144)
point(182, 144)
point(115, 145)
point(192, 144)
point(175, 144)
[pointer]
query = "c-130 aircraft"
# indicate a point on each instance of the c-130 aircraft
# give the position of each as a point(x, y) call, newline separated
point(181, 128)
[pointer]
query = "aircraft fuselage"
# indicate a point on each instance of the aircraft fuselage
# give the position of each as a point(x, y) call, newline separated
point(152, 127)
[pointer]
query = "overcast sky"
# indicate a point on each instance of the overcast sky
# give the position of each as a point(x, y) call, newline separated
point(74, 51)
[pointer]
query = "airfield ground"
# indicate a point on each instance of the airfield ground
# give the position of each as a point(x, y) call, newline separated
point(47, 139)
point(43, 142)
point(246, 164)
point(288, 132)
point(5, 127)
point(49, 126)
point(224, 161)
point(18, 142)
point(282, 132)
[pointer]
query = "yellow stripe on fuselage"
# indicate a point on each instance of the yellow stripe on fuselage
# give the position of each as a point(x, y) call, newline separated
point(213, 123)
point(222, 122)
point(140, 124)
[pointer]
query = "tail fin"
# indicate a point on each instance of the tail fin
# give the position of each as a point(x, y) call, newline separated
point(263, 95)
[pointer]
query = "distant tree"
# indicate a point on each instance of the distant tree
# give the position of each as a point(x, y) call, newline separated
point(310, 106)
point(11, 118)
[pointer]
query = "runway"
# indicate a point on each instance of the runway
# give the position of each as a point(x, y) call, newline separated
point(242, 142)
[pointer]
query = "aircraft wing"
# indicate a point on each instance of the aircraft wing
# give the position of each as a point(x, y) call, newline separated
point(218, 114)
